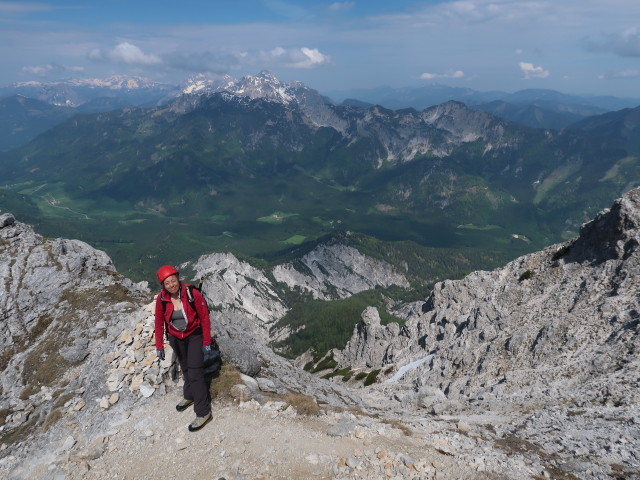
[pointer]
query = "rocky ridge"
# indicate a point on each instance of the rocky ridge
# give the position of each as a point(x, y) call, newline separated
point(551, 338)
point(529, 371)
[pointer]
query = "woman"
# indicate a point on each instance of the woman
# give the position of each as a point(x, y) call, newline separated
point(188, 327)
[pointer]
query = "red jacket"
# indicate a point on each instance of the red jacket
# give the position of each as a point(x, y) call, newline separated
point(198, 317)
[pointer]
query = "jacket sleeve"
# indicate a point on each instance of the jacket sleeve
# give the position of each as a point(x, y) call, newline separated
point(159, 324)
point(203, 315)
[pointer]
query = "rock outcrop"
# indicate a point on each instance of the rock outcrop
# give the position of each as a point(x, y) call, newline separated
point(557, 325)
point(61, 302)
point(337, 271)
point(549, 343)
point(249, 299)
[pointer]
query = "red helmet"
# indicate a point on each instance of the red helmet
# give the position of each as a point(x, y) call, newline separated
point(166, 271)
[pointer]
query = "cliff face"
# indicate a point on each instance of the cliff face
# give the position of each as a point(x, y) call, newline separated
point(59, 301)
point(560, 326)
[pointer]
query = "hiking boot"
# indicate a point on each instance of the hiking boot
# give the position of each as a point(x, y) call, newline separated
point(199, 422)
point(183, 405)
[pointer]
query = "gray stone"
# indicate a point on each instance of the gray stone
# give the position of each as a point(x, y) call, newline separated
point(342, 429)
point(146, 390)
point(6, 219)
point(240, 355)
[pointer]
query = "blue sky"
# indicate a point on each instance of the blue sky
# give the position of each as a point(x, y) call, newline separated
point(574, 46)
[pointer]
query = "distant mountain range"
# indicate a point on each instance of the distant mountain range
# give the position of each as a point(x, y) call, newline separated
point(260, 164)
point(428, 95)
point(23, 120)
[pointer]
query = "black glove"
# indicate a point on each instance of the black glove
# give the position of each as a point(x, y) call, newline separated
point(206, 349)
point(160, 355)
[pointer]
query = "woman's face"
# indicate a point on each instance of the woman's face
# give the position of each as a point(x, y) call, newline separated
point(171, 284)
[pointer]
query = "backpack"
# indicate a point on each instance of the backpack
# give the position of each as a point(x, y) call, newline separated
point(213, 359)
point(190, 288)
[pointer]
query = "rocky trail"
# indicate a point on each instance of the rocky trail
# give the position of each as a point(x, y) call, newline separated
point(251, 441)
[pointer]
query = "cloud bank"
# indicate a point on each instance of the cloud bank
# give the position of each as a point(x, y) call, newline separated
point(208, 61)
point(452, 74)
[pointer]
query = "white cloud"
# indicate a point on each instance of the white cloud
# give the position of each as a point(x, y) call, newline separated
point(125, 53)
point(311, 58)
point(450, 74)
point(341, 6)
point(530, 71)
point(292, 58)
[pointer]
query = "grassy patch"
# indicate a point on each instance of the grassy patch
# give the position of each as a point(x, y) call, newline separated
point(276, 217)
point(554, 179)
point(296, 240)
point(471, 226)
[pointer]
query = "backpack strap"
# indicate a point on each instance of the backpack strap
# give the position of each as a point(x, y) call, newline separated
point(190, 298)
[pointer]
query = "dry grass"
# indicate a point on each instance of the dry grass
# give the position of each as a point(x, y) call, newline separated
point(399, 425)
point(221, 386)
point(304, 404)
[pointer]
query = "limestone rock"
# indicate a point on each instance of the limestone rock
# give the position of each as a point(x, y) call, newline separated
point(565, 332)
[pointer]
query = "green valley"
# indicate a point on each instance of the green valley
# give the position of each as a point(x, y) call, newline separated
point(259, 178)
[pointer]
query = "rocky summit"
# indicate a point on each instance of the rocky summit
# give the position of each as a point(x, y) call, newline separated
point(529, 371)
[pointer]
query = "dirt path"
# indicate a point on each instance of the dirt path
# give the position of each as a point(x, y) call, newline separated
point(248, 441)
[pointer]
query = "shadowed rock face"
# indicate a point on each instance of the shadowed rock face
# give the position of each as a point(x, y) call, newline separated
point(559, 326)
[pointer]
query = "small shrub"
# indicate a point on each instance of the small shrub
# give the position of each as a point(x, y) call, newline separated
point(347, 376)
point(308, 366)
point(526, 275)
point(342, 372)
point(361, 375)
point(561, 252)
point(371, 378)
point(325, 363)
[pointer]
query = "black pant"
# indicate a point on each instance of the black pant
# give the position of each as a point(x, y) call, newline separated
point(191, 359)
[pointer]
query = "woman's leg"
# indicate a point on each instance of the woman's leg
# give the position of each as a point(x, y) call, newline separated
point(181, 348)
point(197, 387)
